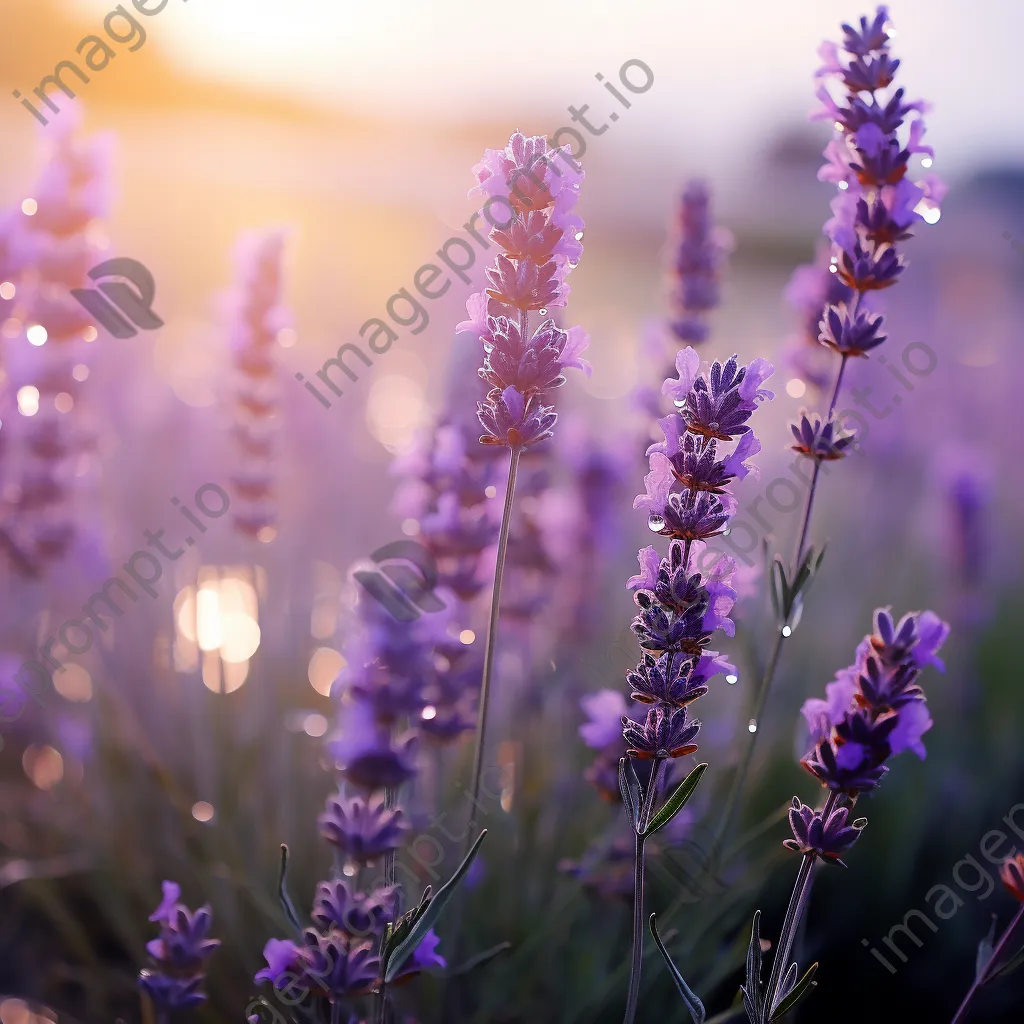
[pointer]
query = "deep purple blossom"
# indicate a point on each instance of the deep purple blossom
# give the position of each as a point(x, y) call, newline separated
point(332, 965)
point(424, 958)
point(826, 838)
point(850, 334)
point(369, 755)
point(179, 954)
point(666, 732)
point(667, 679)
point(171, 993)
point(876, 708)
point(820, 440)
point(510, 419)
point(362, 828)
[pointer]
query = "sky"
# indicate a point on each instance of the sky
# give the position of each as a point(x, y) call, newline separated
point(726, 74)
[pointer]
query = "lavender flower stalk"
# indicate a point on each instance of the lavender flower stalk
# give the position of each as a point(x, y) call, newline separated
point(876, 208)
point(872, 711)
point(697, 267)
point(179, 955)
point(541, 242)
point(47, 354)
point(344, 957)
point(683, 602)
point(257, 318)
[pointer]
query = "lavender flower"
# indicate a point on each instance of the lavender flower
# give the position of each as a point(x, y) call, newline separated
point(875, 709)
point(49, 331)
point(818, 439)
point(363, 829)
point(872, 710)
point(256, 320)
point(682, 607)
point(825, 837)
point(878, 202)
point(331, 966)
point(179, 955)
point(698, 258)
point(712, 408)
point(541, 243)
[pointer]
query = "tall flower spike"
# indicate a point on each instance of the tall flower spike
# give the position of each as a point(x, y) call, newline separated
point(539, 188)
point(179, 955)
point(878, 204)
point(699, 255)
point(683, 606)
point(47, 336)
point(257, 317)
point(872, 710)
point(880, 200)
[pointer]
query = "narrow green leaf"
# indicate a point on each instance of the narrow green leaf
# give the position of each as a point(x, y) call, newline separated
point(481, 958)
point(676, 802)
point(629, 787)
point(693, 1004)
point(796, 994)
point(985, 948)
point(780, 588)
point(282, 892)
point(752, 990)
point(397, 957)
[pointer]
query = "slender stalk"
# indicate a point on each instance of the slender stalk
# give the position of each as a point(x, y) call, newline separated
point(384, 1003)
point(769, 675)
point(961, 1013)
point(794, 912)
point(636, 964)
point(748, 750)
point(492, 626)
point(817, 470)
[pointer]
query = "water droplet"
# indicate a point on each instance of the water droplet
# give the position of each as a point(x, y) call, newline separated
point(752, 725)
point(679, 403)
point(787, 631)
point(655, 524)
point(579, 236)
point(713, 424)
point(543, 312)
point(731, 679)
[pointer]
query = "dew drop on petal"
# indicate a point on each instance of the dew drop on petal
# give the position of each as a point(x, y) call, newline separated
point(752, 725)
point(787, 631)
point(655, 524)
point(731, 679)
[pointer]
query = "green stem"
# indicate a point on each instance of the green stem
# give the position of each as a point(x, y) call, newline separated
point(636, 964)
point(492, 626)
point(794, 912)
point(766, 682)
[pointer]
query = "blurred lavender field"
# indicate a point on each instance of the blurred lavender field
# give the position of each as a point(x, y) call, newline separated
point(283, 173)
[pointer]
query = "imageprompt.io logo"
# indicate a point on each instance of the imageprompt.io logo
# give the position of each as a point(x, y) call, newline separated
point(119, 308)
point(404, 593)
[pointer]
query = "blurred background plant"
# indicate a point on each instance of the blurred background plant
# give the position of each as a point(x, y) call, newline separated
point(189, 743)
